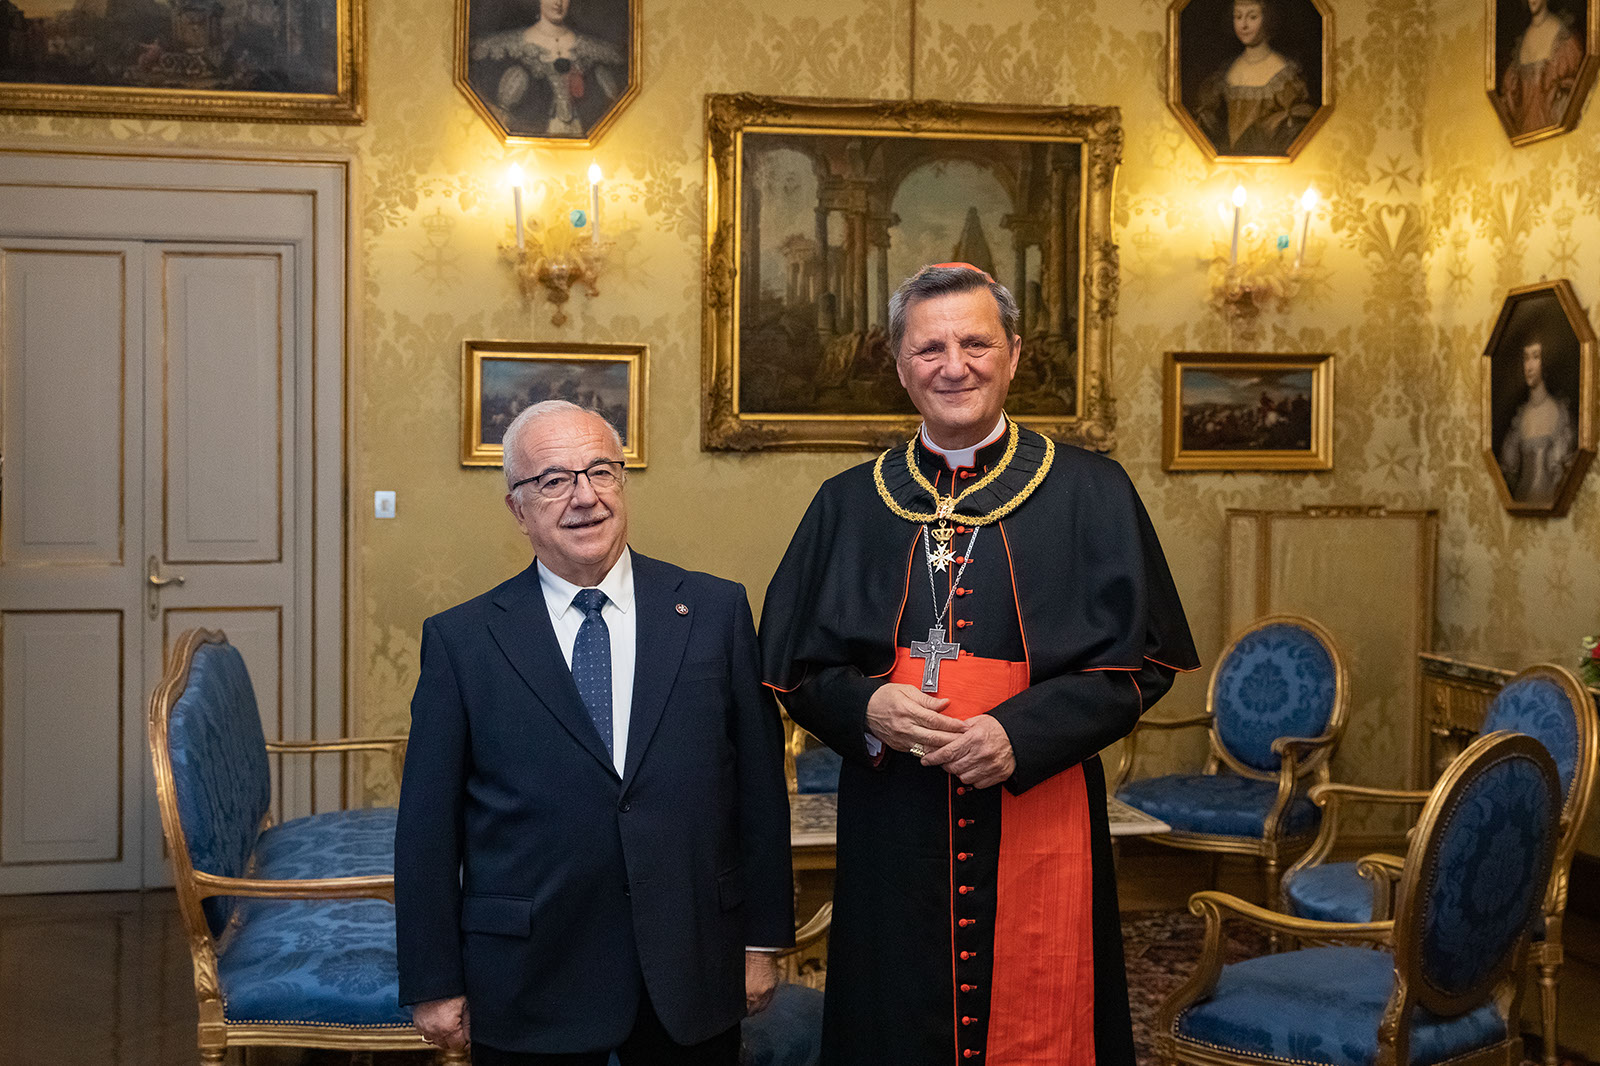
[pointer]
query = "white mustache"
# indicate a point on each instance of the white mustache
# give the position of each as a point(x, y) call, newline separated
point(599, 514)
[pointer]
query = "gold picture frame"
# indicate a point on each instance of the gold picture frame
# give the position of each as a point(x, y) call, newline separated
point(513, 121)
point(500, 378)
point(806, 365)
point(1539, 437)
point(1552, 104)
point(1202, 46)
point(196, 65)
point(1247, 411)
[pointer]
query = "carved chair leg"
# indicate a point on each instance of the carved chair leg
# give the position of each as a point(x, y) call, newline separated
point(213, 1056)
point(1548, 974)
point(1270, 876)
point(456, 1057)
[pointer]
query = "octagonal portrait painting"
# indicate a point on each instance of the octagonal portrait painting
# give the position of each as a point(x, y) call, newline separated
point(1539, 399)
point(1250, 80)
point(1542, 56)
point(548, 71)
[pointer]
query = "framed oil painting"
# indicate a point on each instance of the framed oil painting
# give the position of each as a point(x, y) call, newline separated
point(1247, 411)
point(501, 378)
point(552, 72)
point(1250, 80)
point(1539, 399)
point(1540, 61)
point(818, 209)
point(257, 60)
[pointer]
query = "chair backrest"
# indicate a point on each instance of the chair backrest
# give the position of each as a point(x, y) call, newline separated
point(1476, 872)
point(1281, 677)
point(210, 759)
point(1549, 704)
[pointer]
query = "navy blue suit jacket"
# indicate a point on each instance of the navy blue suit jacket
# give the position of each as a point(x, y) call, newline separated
point(550, 892)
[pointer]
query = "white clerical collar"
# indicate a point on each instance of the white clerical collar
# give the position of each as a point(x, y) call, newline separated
point(956, 458)
point(617, 585)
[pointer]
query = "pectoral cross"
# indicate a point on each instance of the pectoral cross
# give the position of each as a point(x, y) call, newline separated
point(933, 649)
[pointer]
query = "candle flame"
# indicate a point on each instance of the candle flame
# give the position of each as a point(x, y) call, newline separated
point(514, 176)
point(1238, 196)
point(594, 173)
point(1308, 202)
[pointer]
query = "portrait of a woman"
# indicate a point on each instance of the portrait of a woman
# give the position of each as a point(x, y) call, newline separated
point(1542, 438)
point(1244, 74)
point(549, 78)
point(1542, 68)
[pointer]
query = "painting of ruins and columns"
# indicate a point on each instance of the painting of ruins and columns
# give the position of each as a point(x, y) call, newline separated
point(261, 60)
point(820, 208)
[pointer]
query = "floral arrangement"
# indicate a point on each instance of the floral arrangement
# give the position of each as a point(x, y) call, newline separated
point(1589, 669)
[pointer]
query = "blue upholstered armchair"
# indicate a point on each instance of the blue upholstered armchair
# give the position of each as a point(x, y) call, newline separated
point(291, 927)
point(1545, 702)
point(1275, 710)
point(1445, 984)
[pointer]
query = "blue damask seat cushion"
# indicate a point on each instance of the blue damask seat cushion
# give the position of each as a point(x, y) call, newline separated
point(1323, 1005)
point(1216, 804)
point(312, 962)
point(1277, 681)
point(1332, 892)
point(1539, 707)
point(787, 1033)
point(331, 844)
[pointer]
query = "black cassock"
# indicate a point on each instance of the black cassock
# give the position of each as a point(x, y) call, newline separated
point(1074, 584)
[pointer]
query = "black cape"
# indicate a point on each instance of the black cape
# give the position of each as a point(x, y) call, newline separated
point(1074, 581)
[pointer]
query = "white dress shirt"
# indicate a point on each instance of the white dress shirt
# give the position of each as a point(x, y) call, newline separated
point(621, 626)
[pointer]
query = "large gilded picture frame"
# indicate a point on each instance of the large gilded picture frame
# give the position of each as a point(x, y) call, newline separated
point(1250, 81)
point(501, 378)
point(1540, 392)
point(1540, 58)
point(816, 209)
point(281, 62)
point(1247, 411)
point(555, 73)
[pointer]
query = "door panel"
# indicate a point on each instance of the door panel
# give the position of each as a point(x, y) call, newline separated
point(62, 799)
point(64, 405)
point(222, 345)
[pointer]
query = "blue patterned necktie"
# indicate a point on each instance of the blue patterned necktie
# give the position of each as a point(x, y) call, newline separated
point(591, 661)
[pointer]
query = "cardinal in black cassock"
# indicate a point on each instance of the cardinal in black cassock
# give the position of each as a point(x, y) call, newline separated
point(968, 620)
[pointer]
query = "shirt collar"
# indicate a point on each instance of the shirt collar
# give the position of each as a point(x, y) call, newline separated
point(956, 458)
point(617, 585)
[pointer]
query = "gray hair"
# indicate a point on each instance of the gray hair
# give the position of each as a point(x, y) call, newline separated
point(512, 459)
point(932, 281)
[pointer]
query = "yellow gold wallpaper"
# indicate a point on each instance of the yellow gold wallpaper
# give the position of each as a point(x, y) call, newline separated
point(1427, 216)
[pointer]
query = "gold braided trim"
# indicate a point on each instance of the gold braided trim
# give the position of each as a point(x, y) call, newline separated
point(941, 503)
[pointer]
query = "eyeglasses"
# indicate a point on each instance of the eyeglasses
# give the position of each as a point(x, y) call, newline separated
point(558, 484)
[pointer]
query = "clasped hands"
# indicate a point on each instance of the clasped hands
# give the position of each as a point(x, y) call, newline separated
point(977, 750)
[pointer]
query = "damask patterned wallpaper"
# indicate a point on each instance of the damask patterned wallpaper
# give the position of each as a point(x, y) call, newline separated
point(1427, 216)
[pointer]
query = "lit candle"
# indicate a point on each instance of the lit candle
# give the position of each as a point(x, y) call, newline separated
point(1308, 204)
point(1238, 208)
point(515, 178)
point(594, 202)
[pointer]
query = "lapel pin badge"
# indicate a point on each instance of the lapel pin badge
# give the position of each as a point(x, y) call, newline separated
point(682, 608)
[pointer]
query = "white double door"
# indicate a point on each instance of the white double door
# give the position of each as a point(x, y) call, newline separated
point(157, 475)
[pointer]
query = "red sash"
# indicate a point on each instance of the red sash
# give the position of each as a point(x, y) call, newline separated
point(1042, 1003)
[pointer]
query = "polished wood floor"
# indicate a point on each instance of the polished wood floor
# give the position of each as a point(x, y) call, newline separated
point(104, 979)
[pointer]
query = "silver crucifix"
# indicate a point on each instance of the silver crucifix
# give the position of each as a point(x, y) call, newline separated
point(934, 649)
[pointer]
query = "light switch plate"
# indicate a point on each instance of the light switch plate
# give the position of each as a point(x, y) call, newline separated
point(383, 504)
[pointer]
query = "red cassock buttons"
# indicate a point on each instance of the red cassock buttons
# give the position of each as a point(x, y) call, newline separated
point(960, 559)
point(965, 889)
point(964, 822)
point(966, 988)
point(961, 790)
point(964, 855)
point(961, 529)
point(966, 1021)
point(968, 921)
point(967, 955)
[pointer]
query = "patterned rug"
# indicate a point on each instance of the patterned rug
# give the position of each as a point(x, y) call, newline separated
point(1163, 948)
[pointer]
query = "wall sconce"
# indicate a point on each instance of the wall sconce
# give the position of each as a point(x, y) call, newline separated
point(552, 257)
point(1256, 271)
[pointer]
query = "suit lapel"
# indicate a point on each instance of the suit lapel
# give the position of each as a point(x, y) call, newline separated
point(662, 634)
point(523, 631)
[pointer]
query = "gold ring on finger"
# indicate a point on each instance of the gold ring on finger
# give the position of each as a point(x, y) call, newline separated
point(918, 750)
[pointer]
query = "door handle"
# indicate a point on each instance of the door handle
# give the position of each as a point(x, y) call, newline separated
point(155, 583)
point(153, 575)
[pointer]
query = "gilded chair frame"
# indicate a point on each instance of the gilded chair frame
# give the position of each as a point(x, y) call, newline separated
point(1545, 954)
point(1300, 757)
point(193, 886)
point(1403, 935)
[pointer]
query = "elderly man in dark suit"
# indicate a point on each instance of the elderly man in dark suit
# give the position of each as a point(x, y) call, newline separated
point(592, 853)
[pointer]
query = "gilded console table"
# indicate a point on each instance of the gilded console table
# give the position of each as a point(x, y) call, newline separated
point(1457, 688)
